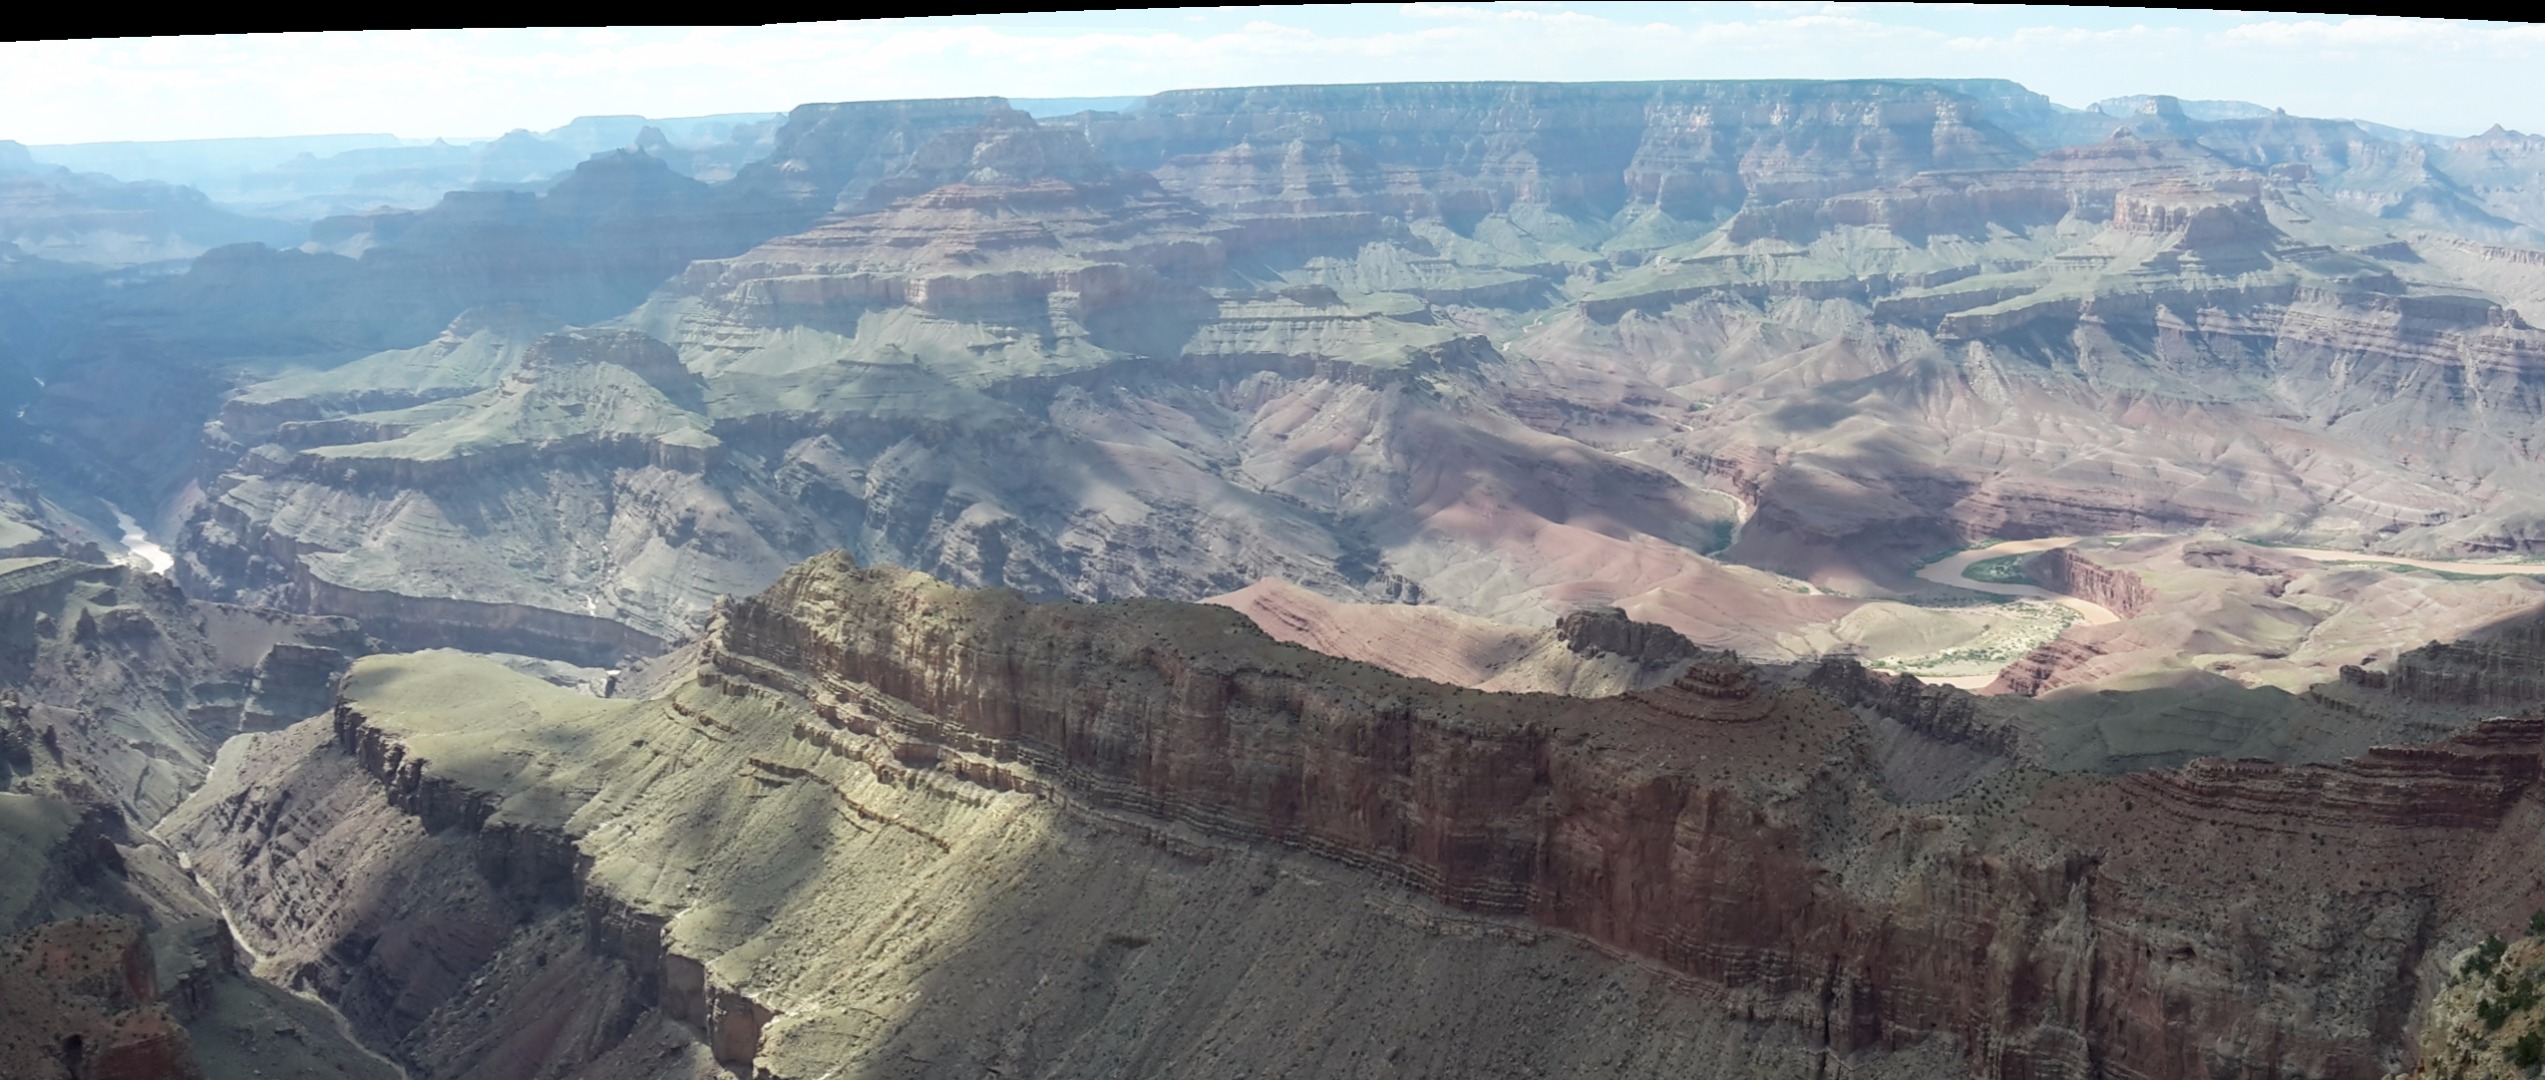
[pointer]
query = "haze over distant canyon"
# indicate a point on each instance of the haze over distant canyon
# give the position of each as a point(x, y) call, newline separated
point(1892, 578)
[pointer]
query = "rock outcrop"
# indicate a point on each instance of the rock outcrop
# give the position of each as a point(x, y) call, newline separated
point(2067, 572)
point(1593, 631)
point(78, 1000)
point(1595, 652)
point(2497, 667)
point(2485, 1025)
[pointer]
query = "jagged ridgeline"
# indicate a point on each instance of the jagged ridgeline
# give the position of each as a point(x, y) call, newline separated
point(1593, 489)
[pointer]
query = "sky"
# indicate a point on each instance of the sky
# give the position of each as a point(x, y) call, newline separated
point(2447, 76)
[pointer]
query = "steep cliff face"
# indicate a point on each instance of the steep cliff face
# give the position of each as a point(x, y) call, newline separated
point(826, 157)
point(2494, 667)
point(924, 767)
point(2067, 572)
point(1563, 848)
point(1462, 151)
point(1172, 971)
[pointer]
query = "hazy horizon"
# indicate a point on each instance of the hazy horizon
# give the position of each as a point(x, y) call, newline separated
point(2450, 77)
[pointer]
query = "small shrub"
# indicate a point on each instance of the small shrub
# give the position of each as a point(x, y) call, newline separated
point(2492, 1011)
point(2529, 1051)
point(2507, 999)
point(2487, 956)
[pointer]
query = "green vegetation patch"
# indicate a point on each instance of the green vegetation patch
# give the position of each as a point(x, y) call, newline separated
point(2002, 570)
point(2027, 625)
point(1721, 538)
point(2443, 575)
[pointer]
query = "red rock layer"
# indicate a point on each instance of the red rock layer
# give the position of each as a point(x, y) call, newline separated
point(78, 1001)
point(2062, 570)
point(1723, 827)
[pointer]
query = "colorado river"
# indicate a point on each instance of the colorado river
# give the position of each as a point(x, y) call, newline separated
point(2488, 569)
point(229, 924)
point(139, 543)
point(1951, 569)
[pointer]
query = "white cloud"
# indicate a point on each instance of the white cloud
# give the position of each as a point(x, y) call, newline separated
point(2386, 33)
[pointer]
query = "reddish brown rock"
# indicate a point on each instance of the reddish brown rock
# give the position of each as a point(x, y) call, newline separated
point(1651, 827)
point(78, 1001)
point(2070, 573)
point(1735, 829)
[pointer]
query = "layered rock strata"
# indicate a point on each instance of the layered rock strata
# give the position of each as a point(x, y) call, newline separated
point(2069, 573)
point(1514, 350)
point(2494, 668)
point(897, 737)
